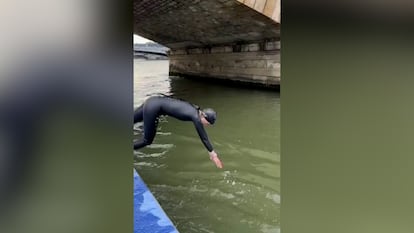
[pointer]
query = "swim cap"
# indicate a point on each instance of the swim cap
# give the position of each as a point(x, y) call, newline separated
point(210, 115)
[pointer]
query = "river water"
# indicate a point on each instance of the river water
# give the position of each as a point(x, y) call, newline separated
point(242, 197)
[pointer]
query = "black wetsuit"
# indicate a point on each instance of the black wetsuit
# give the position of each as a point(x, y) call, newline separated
point(162, 105)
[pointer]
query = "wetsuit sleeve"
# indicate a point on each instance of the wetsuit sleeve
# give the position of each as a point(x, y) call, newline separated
point(203, 135)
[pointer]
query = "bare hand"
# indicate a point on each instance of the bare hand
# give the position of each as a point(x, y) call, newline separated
point(215, 159)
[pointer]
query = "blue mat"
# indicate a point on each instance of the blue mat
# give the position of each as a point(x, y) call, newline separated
point(149, 217)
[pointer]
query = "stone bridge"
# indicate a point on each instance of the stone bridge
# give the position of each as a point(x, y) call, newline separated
point(150, 51)
point(226, 39)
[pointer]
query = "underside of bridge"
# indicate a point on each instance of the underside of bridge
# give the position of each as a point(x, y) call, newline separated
point(227, 39)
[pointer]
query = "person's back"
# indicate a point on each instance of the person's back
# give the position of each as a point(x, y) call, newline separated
point(182, 110)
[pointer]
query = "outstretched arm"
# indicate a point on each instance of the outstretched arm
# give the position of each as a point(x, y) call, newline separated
point(203, 135)
point(204, 138)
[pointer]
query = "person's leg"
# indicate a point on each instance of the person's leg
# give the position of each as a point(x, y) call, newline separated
point(139, 114)
point(149, 134)
point(150, 115)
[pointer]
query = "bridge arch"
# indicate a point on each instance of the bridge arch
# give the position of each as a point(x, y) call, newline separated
point(229, 39)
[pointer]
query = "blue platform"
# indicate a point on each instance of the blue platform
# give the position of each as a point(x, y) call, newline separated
point(149, 217)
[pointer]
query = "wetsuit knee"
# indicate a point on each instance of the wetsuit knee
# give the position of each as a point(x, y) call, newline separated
point(148, 141)
point(143, 143)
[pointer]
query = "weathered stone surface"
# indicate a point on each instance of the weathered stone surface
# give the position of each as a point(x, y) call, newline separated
point(250, 47)
point(257, 67)
point(183, 23)
point(195, 51)
point(272, 45)
point(259, 5)
point(270, 7)
point(276, 12)
point(249, 3)
point(225, 39)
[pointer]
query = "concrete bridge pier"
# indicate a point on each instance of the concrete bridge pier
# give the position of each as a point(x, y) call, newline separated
point(235, 40)
point(257, 63)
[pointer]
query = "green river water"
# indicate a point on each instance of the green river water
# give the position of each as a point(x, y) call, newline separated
point(242, 197)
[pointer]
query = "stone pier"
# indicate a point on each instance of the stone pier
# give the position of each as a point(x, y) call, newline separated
point(257, 63)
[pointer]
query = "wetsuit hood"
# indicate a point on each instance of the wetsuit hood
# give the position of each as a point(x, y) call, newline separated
point(210, 115)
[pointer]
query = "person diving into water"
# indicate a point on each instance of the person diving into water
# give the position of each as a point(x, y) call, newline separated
point(156, 106)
